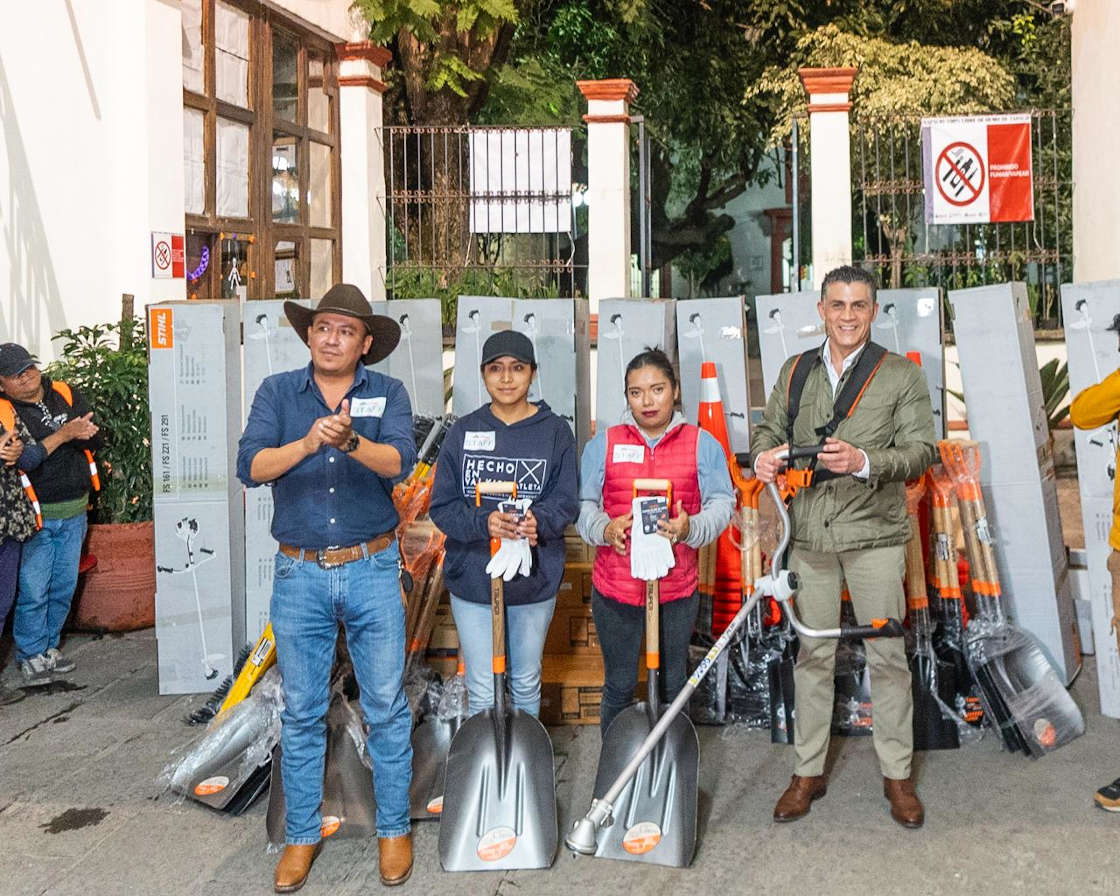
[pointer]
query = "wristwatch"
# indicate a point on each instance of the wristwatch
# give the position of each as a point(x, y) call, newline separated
point(351, 444)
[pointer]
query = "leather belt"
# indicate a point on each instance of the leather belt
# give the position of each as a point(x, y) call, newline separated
point(330, 557)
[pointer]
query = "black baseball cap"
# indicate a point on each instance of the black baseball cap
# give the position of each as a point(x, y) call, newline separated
point(509, 344)
point(15, 359)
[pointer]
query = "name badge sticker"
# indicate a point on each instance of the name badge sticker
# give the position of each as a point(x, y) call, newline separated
point(478, 441)
point(628, 454)
point(367, 407)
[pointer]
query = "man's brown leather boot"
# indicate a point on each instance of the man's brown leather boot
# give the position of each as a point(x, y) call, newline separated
point(396, 859)
point(906, 808)
point(798, 798)
point(294, 866)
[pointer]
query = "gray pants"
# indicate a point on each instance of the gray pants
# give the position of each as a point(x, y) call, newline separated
point(874, 579)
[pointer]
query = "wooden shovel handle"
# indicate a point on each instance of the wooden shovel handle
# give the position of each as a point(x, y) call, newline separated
point(653, 624)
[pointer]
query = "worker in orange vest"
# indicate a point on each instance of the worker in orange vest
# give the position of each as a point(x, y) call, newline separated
point(59, 463)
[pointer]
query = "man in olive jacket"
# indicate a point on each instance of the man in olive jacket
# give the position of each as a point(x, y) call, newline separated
point(851, 528)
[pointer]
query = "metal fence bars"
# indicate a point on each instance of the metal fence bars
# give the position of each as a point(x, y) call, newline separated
point(479, 210)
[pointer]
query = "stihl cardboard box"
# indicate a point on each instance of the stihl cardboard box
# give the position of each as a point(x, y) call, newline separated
point(1003, 394)
point(715, 330)
point(417, 361)
point(628, 327)
point(271, 346)
point(1090, 313)
point(195, 398)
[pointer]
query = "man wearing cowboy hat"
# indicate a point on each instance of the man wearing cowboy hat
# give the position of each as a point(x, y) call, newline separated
point(330, 438)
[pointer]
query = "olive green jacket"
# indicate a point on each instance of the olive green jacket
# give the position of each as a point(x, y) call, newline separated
point(892, 423)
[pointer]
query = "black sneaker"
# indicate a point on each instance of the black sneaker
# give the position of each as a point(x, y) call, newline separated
point(1108, 797)
point(57, 662)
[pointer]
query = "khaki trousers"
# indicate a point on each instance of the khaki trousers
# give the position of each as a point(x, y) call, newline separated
point(874, 579)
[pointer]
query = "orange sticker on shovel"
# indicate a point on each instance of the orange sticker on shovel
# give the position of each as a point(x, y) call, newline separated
point(1045, 733)
point(435, 805)
point(329, 825)
point(211, 786)
point(641, 838)
point(497, 843)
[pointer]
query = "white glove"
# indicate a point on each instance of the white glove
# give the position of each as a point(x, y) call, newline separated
point(651, 554)
point(515, 556)
point(506, 561)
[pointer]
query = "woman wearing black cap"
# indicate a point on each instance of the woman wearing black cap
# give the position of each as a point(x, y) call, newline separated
point(508, 439)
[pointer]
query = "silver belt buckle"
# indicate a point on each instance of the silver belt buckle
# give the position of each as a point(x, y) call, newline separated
point(321, 558)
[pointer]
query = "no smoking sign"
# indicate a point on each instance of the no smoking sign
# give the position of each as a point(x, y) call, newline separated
point(168, 256)
point(960, 174)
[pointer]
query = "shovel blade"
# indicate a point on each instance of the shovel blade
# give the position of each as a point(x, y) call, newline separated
point(654, 818)
point(431, 743)
point(499, 808)
point(932, 731)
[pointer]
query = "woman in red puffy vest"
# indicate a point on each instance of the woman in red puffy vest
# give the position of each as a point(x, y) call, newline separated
point(653, 441)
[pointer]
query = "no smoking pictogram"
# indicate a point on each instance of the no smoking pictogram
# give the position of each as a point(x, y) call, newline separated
point(163, 255)
point(959, 173)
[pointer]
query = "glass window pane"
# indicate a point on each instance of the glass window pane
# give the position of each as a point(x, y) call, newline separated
point(233, 168)
point(285, 179)
point(286, 269)
point(322, 267)
point(194, 162)
point(193, 53)
point(235, 269)
point(319, 190)
point(285, 80)
point(318, 103)
point(198, 265)
point(231, 54)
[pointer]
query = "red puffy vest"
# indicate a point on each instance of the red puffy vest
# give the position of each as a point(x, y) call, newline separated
point(674, 458)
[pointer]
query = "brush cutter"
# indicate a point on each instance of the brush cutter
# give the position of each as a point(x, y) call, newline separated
point(499, 802)
point(1022, 694)
point(656, 811)
point(780, 584)
point(931, 678)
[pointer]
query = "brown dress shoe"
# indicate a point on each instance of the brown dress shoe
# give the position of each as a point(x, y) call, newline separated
point(798, 798)
point(396, 859)
point(906, 808)
point(294, 866)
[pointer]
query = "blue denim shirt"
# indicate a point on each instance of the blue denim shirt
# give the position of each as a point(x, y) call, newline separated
point(328, 499)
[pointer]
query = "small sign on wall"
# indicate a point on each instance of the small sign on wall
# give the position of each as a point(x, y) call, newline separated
point(168, 256)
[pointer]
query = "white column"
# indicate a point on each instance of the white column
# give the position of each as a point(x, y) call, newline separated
point(363, 165)
point(608, 187)
point(1095, 33)
point(830, 166)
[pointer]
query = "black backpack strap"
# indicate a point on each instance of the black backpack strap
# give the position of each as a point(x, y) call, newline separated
point(866, 366)
point(802, 367)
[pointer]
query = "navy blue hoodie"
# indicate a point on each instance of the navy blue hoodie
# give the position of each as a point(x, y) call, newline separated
point(539, 454)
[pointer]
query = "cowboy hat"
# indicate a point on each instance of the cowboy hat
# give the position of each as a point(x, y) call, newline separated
point(344, 298)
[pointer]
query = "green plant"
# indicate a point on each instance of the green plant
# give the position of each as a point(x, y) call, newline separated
point(108, 364)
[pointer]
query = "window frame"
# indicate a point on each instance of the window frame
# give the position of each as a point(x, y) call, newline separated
point(258, 227)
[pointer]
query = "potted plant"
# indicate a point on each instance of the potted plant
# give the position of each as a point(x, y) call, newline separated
point(108, 363)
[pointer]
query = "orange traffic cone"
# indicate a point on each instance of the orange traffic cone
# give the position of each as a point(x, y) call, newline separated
point(726, 591)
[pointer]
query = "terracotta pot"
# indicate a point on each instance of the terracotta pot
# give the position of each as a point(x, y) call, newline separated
point(119, 595)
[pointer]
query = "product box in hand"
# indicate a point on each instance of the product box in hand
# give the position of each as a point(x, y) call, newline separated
point(994, 333)
point(715, 330)
point(417, 361)
point(195, 399)
point(628, 327)
point(1090, 312)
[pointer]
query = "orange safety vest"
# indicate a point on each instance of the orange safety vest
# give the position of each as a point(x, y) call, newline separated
point(8, 418)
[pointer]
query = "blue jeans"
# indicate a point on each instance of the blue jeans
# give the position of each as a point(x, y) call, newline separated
point(308, 603)
point(48, 575)
point(526, 629)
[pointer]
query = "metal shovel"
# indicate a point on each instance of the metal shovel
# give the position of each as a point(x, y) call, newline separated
point(499, 802)
point(1035, 712)
point(431, 742)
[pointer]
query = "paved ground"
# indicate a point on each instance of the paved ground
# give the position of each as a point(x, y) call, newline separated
point(80, 811)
